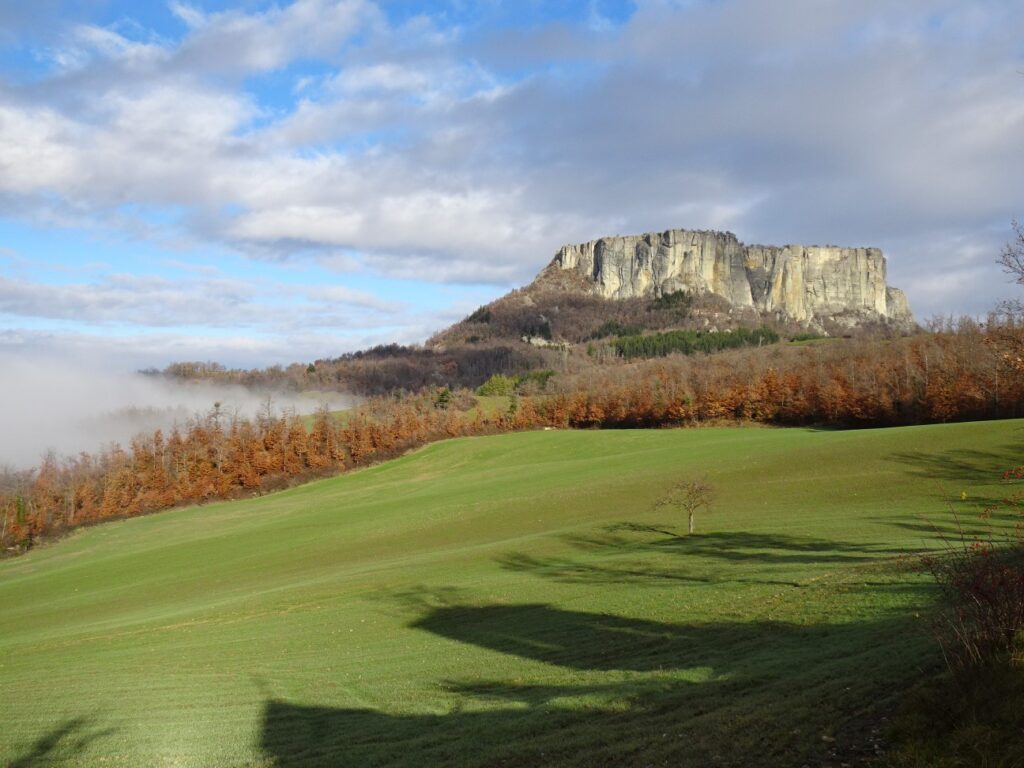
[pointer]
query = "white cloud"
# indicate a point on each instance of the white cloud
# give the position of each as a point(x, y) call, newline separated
point(339, 294)
point(424, 153)
point(234, 41)
point(380, 77)
point(125, 352)
point(192, 17)
point(37, 151)
point(88, 42)
point(207, 301)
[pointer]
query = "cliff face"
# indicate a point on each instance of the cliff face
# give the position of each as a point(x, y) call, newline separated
point(802, 283)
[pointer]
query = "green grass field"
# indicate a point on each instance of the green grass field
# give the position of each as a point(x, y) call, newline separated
point(512, 600)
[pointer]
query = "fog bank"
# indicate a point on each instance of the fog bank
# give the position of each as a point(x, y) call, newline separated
point(68, 408)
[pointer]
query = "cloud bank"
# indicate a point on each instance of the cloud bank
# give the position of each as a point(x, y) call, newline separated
point(71, 408)
point(454, 147)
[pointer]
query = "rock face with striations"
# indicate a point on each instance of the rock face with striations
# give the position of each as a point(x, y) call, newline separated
point(805, 283)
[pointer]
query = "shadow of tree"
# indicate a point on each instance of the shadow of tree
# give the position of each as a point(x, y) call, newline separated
point(760, 689)
point(419, 598)
point(960, 522)
point(662, 528)
point(61, 743)
point(738, 547)
point(943, 527)
point(297, 736)
point(967, 465)
point(742, 546)
point(570, 571)
point(594, 641)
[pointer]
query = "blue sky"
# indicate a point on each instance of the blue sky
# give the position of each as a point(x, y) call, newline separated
point(261, 182)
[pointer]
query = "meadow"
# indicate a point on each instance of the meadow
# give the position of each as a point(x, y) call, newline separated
point(510, 600)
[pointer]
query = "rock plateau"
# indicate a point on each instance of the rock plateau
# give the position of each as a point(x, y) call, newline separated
point(803, 283)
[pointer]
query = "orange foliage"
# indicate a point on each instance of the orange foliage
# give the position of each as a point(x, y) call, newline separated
point(925, 378)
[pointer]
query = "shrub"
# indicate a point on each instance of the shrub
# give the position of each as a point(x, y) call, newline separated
point(982, 584)
point(528, 383)
point(688, 342)
point(807, 337)
point(971, 716)
point(614, 328)
point(678, 300)
point(498, 384)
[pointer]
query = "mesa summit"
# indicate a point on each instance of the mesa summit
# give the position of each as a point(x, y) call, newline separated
point(803, 283)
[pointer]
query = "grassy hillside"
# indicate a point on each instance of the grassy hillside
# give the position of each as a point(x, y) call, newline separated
point(511, 600)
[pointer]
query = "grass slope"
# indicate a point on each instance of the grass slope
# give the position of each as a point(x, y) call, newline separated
point(511, 600)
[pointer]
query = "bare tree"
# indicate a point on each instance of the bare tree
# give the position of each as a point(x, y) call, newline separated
point(1012, 257)
point(688, 496)
point(1006, 323)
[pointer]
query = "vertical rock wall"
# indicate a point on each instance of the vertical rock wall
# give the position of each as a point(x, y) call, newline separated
point(801, 282)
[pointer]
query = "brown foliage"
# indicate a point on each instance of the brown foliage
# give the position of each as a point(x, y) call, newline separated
point(983, 586)
point(957, 374)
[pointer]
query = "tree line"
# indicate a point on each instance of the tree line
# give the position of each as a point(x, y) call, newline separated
point(961, 372)
point(688, 342)
point(377, 371)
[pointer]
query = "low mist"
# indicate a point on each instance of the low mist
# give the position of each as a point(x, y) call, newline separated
point(68, 408)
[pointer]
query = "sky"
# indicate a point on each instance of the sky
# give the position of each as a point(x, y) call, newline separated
point(261, 183)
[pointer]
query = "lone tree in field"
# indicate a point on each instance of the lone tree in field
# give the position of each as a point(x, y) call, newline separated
point(688, 496)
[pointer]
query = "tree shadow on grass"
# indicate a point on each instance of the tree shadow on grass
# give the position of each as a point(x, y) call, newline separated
point(572, 571)
point(299, 736)
point(635, 692)
point(61, 743)
point(941, 528)
point(418, 599)
point(594, 641)
point(691, 554)
point(966, 465)
point(734, 546)
point(742, 546)
point(956, 526)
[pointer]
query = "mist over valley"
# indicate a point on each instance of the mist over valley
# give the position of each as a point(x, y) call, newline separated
point(71, 407)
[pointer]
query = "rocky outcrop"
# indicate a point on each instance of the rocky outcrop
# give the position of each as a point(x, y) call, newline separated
point(805, 283)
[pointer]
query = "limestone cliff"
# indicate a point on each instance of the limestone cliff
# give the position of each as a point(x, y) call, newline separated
point(805, 283)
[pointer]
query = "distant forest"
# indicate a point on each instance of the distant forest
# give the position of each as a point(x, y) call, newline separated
point(381, 370)
point(963, 371)
point(525, 332)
